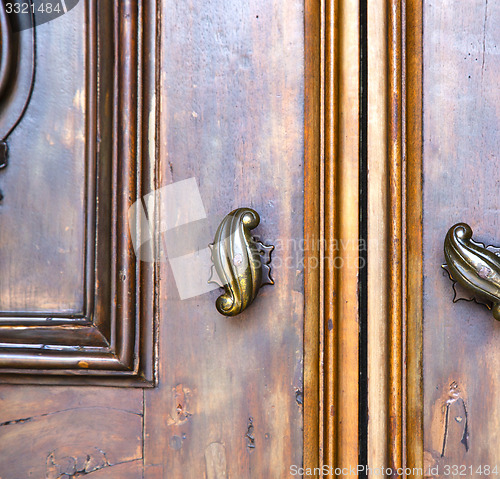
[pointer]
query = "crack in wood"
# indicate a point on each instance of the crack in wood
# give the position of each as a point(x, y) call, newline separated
point(69, 466)
point(31, 418)
point(250, 435)
point(455, 397)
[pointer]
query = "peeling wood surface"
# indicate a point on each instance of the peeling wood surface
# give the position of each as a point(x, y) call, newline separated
point(461, 148)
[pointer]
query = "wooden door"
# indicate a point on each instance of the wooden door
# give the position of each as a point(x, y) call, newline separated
point(360, 131)
point(460, 355)
point(112, 365)
point(433, 140)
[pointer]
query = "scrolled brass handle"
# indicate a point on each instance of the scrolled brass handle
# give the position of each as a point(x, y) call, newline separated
point(473, 266)
point(239, 261)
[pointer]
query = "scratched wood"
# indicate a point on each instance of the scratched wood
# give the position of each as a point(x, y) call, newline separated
point(37, 401)
point(230, 395)
point(461, 183)
point(229, 401)
point(49, 432)
point(56, 432)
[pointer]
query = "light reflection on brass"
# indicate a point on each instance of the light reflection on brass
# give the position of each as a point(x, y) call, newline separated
point(473, 266)
point(240, 262)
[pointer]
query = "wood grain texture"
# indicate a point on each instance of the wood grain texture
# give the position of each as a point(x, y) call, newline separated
point(232, 117)
point(48, 431)
point(313, 233)
point(414, 387)
point(342, 87)
point(395, 237)
point(461, 145)
point(332, 222)
point(108, 92)
point(36, 234)
point(378, 201)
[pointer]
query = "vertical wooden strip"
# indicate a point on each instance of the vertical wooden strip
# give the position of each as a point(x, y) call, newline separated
point(312, 233)
point(332, 160)
point(126, 177)
point(395, 233)
point(395, 240)
point(414, 213)
point(331, 319)
point(377, 234)
point(346, 218)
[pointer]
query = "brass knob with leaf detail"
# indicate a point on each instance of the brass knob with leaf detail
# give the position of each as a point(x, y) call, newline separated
point(474, 268)
point(241, 265)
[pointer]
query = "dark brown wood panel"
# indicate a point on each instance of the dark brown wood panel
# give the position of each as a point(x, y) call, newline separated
point(229, 401)
point(86, 169)
point(43, 212)
point(461, 184)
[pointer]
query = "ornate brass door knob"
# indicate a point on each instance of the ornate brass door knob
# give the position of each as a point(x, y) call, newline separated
point(240, 262)
point(474, 267)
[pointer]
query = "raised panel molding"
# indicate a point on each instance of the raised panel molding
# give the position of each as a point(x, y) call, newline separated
point(112, 341)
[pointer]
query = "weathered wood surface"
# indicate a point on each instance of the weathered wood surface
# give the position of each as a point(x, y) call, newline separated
point(229, 401)
point(230, 393)
point(394, 357)
point(42, 215)
point(63, 432)
point(461, 183)
point(49, 432)
point(64, 215)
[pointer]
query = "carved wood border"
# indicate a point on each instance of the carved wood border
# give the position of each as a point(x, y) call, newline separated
point(332, 162)
point(395, 285)
point(332, 146)
point(113, 343)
